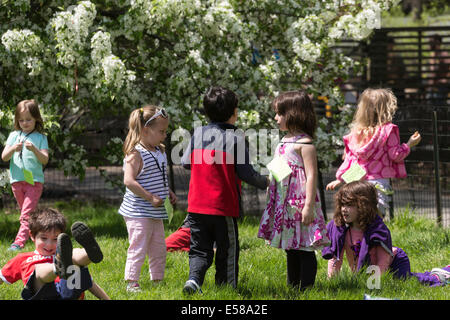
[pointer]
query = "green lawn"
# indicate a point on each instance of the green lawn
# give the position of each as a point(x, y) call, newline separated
point(262, 274)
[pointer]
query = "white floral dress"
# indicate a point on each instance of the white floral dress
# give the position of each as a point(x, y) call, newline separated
point(281, 222)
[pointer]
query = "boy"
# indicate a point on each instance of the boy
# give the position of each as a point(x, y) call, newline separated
point(218, 159)
point(55, 270)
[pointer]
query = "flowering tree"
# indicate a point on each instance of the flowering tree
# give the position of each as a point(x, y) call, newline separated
point(89, 59)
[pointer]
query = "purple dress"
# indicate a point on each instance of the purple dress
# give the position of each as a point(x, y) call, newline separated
point(281, 222)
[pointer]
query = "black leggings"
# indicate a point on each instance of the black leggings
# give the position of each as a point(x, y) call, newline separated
point(301, 268)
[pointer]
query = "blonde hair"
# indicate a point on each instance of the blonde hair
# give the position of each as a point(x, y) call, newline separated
point(376, 107)
point(136, 122)
point(33, 108)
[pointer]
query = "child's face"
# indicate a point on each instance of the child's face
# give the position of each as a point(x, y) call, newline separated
point(349, 213)
point(45, 242)
point(281, 121)
point(155, 134)
point(26, 121)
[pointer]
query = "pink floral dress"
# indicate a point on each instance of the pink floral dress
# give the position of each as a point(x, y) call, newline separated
point(281, 222)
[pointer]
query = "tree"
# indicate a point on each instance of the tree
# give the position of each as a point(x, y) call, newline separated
point(88, 59)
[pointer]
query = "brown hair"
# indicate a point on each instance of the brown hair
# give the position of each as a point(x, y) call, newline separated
point(32, 107)
point(360, 194)
point(136, 122)
point(297, 107)
point(42, 220)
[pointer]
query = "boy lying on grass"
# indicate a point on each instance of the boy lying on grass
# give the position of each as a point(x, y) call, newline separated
point(54, 270)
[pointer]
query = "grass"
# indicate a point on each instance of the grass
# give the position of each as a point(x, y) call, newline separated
point(262, 273)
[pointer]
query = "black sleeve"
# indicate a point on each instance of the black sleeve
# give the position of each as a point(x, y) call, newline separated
point(244, 169)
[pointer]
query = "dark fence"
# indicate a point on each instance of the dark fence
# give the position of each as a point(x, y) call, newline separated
point(403, 59)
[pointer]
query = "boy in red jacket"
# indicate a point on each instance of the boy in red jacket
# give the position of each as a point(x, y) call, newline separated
point(218, 159)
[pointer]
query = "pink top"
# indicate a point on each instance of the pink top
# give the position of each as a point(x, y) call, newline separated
point(378, 255)
point(382, 157)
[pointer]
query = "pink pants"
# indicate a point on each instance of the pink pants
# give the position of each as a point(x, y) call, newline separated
point(146, 237)
point(27, 197)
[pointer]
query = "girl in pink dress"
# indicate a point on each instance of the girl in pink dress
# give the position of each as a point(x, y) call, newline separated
point(293, 218)
point(374, 144)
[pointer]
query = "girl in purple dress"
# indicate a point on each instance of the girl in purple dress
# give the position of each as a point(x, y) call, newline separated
point(293, 219)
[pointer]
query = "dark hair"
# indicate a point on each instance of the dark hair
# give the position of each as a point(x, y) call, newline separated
point(363, 196)
point(43, 220)
point(297, 107)
point(435, 40)
point(32, 107)
point(219, 104)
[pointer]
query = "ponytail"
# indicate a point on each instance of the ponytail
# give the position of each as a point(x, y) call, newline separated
point(136, 123)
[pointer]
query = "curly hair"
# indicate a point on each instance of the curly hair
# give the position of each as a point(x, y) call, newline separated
point(376, 107)
point(360, 194)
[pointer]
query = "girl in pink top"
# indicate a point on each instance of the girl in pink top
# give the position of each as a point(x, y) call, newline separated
point(374, 143)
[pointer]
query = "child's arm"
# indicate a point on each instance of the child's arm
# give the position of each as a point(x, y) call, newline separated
point(333, 184)
point(245, 170)
point(308, 153)
point(8, 151)
point(133, 166)
point(98, 292)
point(41, 155)
point(398, 152)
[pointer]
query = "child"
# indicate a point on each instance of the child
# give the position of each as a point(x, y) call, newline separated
point(293, 218)
point(180, 240)
point(146, 181)
point(359, 231)
point(218, 159)
point(374, 144)
point(47, 272)
point(27, 152)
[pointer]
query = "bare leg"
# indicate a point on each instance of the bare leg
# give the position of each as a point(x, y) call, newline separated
point(80, 257)
point(44, 273)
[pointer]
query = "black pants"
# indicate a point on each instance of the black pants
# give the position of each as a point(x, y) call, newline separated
point(301, 268)
point(205, 231)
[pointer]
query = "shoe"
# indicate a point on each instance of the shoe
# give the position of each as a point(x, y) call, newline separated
point(191, 286)
point(443, 275)
point(84, 236)
point(133, 286)
point(14, 247)
point(63, 256)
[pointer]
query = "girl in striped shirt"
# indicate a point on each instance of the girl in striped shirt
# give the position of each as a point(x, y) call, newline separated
point(145, 178)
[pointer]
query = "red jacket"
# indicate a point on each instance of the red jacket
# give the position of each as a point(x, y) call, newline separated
point(218, 159)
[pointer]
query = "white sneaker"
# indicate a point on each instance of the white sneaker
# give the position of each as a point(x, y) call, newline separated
point(191, 286)
point(133, 286)
point(443, 275)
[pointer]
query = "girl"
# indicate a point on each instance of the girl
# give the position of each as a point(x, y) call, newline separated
point(374, 144)
point(359, 231)
point(27, 152)
point(143, 207)
point(293, 218)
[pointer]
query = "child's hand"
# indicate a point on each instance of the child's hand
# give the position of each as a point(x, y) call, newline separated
point(156, 201)
point(414, 139)
point(307, 215)
point(333, 184)
point(29, 145)
point(172, 197)
point(18, 147)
